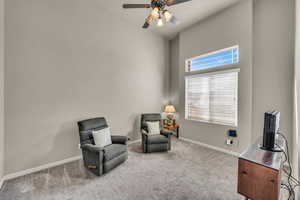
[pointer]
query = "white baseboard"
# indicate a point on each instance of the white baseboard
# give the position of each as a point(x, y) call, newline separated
point(46, 166)
point(39, 168)
point(211, 147)
point(134, 141)
point(61, 162)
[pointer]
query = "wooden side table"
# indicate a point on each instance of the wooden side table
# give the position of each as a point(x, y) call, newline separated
point(259, 172)
point(172, 128)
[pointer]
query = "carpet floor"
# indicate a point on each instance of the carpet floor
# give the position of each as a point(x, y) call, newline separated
point(188, 171)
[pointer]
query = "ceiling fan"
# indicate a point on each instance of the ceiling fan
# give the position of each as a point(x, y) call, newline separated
point(158, 11)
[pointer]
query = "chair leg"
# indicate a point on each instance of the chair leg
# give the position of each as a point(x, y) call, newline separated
point(145, 149)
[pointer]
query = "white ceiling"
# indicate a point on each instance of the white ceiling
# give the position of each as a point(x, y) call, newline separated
point(188, 13)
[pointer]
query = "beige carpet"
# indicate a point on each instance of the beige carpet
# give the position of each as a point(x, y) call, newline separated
point(188, 171)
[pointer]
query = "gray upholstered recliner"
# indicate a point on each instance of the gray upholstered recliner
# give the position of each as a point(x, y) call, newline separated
point(100, 160)
point(154, 143)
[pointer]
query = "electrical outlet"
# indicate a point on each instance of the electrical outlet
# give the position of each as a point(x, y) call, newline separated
point(235, 142)
point(229, 141)
point(232, 142)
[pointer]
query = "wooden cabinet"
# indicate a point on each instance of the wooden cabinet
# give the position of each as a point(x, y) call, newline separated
point(259, 173)
point(258, 182)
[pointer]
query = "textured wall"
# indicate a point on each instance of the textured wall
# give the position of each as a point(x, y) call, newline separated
point(273, 65)
point(296, 133)
point(70, 60)
point(233, 26)
point(174, 70)
point(1, 88)
point(264, 28)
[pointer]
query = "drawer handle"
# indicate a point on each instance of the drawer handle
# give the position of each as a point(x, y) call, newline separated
point(272, 181)
point(244, 172)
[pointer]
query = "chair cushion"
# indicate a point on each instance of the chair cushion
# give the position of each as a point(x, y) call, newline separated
point(149, 118)
point(153, 128)
point(91, 124)
point(87, 126)
point(102, 137)
point(157, 139)
point(114, 150)
point(109, 165)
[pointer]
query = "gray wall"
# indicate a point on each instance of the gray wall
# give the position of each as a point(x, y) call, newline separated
point(296, 133)
point(230, 27)
point(1, 88)
point(70, 60)
point(273, 66)
point(264, 28)
point(174, 71)
point(66, 61)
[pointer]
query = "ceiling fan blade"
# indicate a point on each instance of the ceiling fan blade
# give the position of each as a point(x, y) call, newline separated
point(146, 25)
point(174, 2)
point(148, 21)
point(136, 6)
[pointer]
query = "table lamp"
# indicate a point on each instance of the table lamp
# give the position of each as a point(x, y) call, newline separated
point(170, 109)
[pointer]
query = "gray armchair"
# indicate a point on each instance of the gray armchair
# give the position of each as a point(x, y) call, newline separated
point(154, 143)
point(97, 159)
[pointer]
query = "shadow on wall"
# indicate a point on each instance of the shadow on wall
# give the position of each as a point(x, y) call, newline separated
point(134, 134)
point(66, 140)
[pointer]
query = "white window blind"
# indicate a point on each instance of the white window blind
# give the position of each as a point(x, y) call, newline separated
point(212, 97)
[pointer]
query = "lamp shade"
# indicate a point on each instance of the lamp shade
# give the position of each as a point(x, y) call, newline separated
point(170, 109)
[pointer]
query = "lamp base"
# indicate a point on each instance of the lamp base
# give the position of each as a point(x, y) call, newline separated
point(170, 116)
point(169, 122)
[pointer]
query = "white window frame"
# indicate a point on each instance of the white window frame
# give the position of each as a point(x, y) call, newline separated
point(210, 53)
point(237, 70)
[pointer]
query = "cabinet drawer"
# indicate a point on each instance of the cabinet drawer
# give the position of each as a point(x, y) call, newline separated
point(257, 182)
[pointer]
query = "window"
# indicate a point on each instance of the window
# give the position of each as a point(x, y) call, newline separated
point(215, 59)
point(212, 97)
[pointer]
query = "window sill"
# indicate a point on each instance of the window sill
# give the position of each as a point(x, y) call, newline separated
point(212, 123)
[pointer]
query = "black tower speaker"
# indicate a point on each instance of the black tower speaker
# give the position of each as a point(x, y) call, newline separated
point(271, 128)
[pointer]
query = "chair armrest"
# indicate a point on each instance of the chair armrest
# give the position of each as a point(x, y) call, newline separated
point(92, 148)
point(117, 139)
point(144, 132)
point(166, 133)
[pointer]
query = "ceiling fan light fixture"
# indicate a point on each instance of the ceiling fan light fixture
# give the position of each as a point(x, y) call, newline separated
point(155, 12)
point(149, 19)
point(160, 22)
point(168, 15)
point(158, 11)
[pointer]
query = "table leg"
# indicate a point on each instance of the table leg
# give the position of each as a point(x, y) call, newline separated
point(177, 132)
